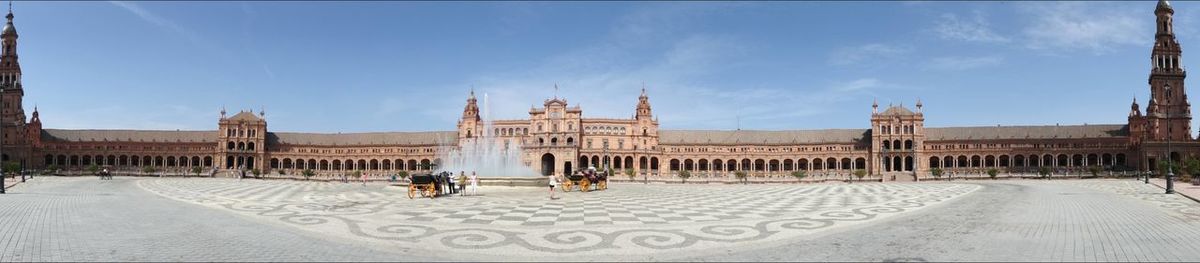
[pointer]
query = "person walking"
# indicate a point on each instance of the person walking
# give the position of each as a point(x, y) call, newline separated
point(474, 184)
point(363, 177)
point(553, 181)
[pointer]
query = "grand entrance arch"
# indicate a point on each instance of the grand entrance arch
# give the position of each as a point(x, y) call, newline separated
point(547, 164)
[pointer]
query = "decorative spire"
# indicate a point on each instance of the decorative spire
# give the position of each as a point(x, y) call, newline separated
point(262, 112)
point(874, 106)
point(1162, 4)
point(1134, 110)
point(643, 88)
point(919, 105)
point(556, 90)
point(222, 111)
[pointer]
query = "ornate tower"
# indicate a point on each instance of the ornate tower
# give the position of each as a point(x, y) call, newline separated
point(646, 128)
point(470, 124)
point(12, 114)
point(1137, 124)
point(1168, 114)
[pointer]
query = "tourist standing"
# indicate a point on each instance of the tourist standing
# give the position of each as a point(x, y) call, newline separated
point(462, 183)
point(450, 180)
point(474, 183)
point(553, 181)
point(363, 177)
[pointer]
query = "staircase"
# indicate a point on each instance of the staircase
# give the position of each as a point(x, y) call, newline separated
point(900, 177)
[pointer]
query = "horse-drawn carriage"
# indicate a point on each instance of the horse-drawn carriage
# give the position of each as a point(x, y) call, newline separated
point(424, 184)
point(585, 180)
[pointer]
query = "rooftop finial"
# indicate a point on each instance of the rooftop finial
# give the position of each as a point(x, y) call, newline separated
point(556, 90)
point(1164, 4)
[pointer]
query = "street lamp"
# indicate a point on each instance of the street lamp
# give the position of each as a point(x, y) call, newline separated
point(1170, 171)
point(2, 184)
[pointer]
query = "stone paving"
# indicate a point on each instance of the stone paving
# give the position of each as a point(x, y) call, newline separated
point(85, 219)
point(214, 219)
point(1020, 220)
point(629, 222)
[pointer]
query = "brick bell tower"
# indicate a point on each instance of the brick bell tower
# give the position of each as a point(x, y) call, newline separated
point(471, 124)
point(12, 115)
point(1168, 113)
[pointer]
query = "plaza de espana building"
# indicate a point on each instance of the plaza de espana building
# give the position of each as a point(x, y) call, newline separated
point(557, 137)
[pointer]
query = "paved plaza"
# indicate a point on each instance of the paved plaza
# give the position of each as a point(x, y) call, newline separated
point(206, 219)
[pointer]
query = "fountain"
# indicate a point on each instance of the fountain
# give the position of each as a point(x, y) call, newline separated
point(493, 160)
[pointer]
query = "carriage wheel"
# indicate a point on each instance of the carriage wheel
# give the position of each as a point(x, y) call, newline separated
point(603, 185)
point(412, 191)
point(584, 185)
point(566, 186)
point(432, 191)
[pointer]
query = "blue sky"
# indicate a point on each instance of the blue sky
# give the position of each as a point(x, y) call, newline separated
point(408, 66)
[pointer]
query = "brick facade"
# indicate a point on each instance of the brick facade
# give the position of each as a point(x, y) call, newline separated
point(557, 138)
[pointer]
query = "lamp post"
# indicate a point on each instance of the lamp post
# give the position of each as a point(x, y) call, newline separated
point(2, 184)
point(1170, 172)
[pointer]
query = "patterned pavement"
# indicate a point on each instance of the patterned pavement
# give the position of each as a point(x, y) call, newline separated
point(624, 221)
point(205, 219)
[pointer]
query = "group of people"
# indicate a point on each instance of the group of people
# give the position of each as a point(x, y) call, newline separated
point(449, 183)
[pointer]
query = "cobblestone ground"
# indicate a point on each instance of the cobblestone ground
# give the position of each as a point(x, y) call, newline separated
point(1088, 220)
point(205, 219)
point(85, 219)
point(629, 222)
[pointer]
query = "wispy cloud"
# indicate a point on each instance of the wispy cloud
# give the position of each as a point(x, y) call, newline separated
point(1078, 26)
point(160, 21)
point(248, 18)
point(867, 53)
point(858, 84)
point(604, 78)
point(972, 29)
point(963, 63)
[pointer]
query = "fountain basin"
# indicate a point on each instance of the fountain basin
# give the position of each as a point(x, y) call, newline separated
point(513, 181)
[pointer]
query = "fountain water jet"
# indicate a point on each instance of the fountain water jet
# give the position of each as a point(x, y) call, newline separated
point(493, 159)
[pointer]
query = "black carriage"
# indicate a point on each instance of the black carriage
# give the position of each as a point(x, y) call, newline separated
point(426, 185)
point(576, 180)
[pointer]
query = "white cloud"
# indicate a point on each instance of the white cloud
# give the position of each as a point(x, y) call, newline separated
point(604, 79)
point(868, 53)
point(1078, 26)
point(963, 63)
point(858, 84)
point(973, 29)
point(159, 21)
